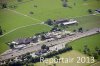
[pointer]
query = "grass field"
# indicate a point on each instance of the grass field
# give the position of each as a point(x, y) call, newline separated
point(72, 54)
point(53, 8)
point(91, 42)
point(13, 21)
point(22, 33)
point(96, 64)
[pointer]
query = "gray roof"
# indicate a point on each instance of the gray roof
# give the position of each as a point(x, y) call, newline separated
point(24, 40)
point(61, 21)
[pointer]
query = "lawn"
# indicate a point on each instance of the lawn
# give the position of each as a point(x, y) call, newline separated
point(91, 41)
point(96, 64)
point(53, 8)
point(16, 18)
point(22, 33)
point(86, 22)
point(10, 20)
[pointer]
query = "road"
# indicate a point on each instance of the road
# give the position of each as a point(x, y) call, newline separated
point(56, 43)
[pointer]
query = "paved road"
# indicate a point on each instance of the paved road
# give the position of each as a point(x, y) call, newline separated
point(62, 41)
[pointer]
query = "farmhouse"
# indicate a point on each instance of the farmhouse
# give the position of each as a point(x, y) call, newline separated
point(40, 52)
point(65, 22)
point(97, 10)
point(50, 36)
point(19, 46)
point(22, 41)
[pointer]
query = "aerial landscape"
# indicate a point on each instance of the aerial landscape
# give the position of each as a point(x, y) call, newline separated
point(49, 32)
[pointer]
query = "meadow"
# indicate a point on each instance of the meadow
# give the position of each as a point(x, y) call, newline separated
point(91, 41)
point(71, 54)
point(78, 45)
point(19, 23)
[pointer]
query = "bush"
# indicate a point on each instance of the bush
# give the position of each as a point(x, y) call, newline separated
point(95, 55)
point(49, 22)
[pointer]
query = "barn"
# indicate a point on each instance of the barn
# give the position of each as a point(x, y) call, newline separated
point(65, 22)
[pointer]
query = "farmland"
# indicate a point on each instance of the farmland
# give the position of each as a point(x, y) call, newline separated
point(90, 41)
point(73, 54)
point(28, 17)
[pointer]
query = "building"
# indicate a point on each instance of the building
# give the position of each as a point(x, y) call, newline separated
point(40, 52)
point(22, 41)
point(97, 10)
point(65, 22)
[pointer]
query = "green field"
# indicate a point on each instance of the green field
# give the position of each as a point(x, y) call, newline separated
point(91, 42)
point(53, 8)
point(96, 64)
point(13, 21)
point(72, 54)
point(20, 33)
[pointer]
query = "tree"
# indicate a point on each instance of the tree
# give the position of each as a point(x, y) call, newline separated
point(86, 50)
point(90, 11)
point(43, 37)
point(31, 12)
point(57, 57)
point(11, 46)
point(29, 58)
point(64, 3)
point(80, 29)
point(47, 47)
point(96, 48)
point(19, 0)
point(35, 6)
point(99, 52)
point(85, 0)
point(4, 5)
point(43, 46)
point(95, 55)
point(74, 30)
point(1, 32)
point(54, 64)
point(62, 25)
point(49, 22)
point(97, 0)
point(18, 63)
